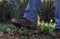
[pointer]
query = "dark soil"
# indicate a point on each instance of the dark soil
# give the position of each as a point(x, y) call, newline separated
point(24, 34)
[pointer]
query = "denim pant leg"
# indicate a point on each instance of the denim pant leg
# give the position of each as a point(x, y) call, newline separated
point(31, 11)
point(57, 14)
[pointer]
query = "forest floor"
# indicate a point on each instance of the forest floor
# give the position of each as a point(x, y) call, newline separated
point(24, 36)
point(10, 32)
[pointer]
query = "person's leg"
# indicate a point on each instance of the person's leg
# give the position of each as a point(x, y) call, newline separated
point(57, 14)
point(56, 32)
point(32, 9)
point(30, 16)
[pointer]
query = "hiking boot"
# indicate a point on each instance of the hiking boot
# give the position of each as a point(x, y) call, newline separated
point(22, 22)
point(55, 33)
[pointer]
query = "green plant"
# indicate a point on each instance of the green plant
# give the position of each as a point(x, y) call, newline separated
point(46, 27)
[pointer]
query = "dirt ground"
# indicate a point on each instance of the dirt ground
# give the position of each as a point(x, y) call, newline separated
point(24, 34)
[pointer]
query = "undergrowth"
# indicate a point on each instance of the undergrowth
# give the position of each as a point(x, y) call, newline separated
point(43, 27)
